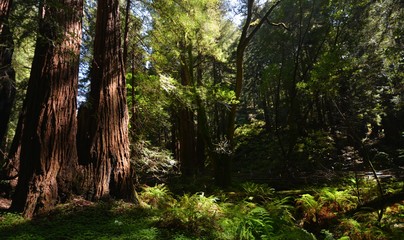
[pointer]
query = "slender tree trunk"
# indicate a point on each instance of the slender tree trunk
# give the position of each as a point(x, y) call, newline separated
point(223, 166)
point(126, 34)
point(48, 146)
point(133, 118)
point(203, 137)
point(7, 74)
point(107, 162)
point(7, 96)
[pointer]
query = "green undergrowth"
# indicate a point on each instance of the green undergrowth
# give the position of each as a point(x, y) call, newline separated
point(252, 211)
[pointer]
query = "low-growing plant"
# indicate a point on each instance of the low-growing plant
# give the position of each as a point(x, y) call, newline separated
point(259, 191)
point(10, 219)
point(356, 230)
point(337, 200)
point(281, 211)
point(155, 162)
point(257, 224)
point(158, 197)
point(196, 214)
point(310, 207)
point(245, 220)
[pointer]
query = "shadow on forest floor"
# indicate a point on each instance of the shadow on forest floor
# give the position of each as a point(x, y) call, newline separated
point(83, 220)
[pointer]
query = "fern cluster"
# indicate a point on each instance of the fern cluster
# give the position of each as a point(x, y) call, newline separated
point(258, 216)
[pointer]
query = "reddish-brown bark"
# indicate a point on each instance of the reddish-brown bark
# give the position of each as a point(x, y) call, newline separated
point(107, 158)
point(48, 140)
point(5, 7)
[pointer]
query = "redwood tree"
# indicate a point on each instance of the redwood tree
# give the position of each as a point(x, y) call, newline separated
point(104, 142)
point(48, 147)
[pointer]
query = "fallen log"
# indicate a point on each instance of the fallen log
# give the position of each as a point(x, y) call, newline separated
point(378, 203)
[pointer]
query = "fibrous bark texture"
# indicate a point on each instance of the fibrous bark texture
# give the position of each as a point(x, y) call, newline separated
point(105, 155)
point(48, 141)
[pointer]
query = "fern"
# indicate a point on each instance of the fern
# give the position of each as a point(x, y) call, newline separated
point(257, 223)
point(281, 212)
point(293, 233)
point(196, 214)
point(337, 200)
point(310, 207)
point(258, 191)
point(156, 197)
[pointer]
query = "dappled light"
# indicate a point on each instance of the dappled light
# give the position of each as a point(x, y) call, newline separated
point(202, 119)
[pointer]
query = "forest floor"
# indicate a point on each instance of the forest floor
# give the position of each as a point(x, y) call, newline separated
point(249, 211)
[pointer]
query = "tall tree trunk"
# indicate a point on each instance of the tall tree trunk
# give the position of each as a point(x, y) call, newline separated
point(48, 146)
point(223, 171)
point(187, 131)
point(126, 34)
point(203, 138)
point(7, 74)
point(187, 142)
point(107, 159)
point(7, 96)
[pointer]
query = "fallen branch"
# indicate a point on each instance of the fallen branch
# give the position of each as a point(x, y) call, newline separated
point(378, 203)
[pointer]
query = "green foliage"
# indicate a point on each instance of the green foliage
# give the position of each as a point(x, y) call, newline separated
point(325, 205)
point(245, 220)
point(158, 197)
point(161, 215)
point(11, 219)
point(151, 105)
point(153, 161)
point(337, 200)
point(81, 220)
point(357, 231)
point(23, 24)
point(246, 132)
point(257, 191)
point(224, 95)
point(184, 96)
point(257, 223)
point(310, 206)
point(195, 214)
point(192, 24)
point(314, 149)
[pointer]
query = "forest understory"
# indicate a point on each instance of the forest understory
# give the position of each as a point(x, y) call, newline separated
point(261, 204)
point(202, 119)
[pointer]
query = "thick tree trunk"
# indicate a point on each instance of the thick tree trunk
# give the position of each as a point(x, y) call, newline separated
point(107, 162)
point(187, 142)
point(48, 143)
point(186, 126)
